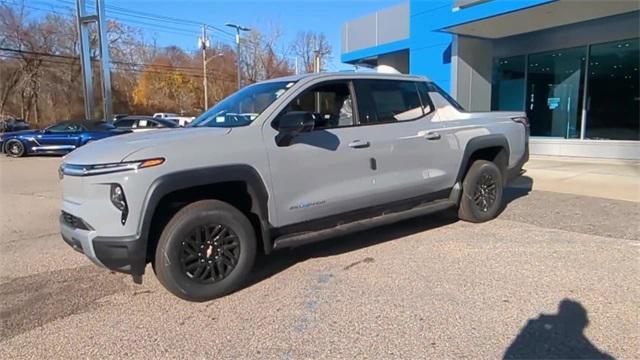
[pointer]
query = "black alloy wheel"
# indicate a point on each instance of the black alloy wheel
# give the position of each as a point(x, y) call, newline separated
point(485, 192)
point(482, 188)
point(14, 148)
point(209, 253)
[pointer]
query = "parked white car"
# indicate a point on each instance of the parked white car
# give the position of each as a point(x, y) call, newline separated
point(144, 123)
point(165, 115)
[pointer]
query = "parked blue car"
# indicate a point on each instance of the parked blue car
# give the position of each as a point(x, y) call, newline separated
point(60, 138)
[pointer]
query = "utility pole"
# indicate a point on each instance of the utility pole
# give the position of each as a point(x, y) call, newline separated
point(238, 29)
point(317, 61)
point(204, 44)
point(83, 21)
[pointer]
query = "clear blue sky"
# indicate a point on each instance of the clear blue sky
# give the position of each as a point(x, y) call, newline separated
point(291, 16)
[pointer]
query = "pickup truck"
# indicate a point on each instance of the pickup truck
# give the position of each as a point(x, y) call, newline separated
point(279, 164)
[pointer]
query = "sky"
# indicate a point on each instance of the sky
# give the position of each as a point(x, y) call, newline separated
point(290, 16)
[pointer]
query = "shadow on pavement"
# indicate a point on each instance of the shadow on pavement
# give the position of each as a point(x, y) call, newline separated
point(267, 266)
point(557, 336)
point(519, 187)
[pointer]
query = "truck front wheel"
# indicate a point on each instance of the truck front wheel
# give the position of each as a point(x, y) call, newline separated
point(206, 251)
point(481, 192)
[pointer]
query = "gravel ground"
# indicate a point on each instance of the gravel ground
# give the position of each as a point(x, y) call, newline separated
point(429, 287)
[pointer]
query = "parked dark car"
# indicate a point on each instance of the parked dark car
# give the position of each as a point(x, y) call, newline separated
point(9, 125)
point(144, 123)
point(60, 138)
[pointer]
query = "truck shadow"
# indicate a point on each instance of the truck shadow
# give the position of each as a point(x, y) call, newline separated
point(556, 336)
point(267, 266)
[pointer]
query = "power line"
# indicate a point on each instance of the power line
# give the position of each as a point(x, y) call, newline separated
point(159, 72)
point(115, 62)
point(150, 16)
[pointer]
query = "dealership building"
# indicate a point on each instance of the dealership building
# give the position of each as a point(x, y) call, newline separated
point(572, 66)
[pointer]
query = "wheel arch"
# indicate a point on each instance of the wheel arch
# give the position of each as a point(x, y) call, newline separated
point(494, 148)
point(240, 185)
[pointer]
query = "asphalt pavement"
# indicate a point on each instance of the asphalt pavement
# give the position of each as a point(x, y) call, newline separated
point(556, 275)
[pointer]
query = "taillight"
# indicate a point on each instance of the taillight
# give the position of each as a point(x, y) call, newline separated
point(521, 120)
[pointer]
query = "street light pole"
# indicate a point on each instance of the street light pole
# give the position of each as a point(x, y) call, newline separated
point(204, 43)
point(238, 29)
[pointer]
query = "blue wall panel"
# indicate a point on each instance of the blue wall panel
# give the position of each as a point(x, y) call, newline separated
point(429, 46)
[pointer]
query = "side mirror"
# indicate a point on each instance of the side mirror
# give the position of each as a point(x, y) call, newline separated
point(293, 123)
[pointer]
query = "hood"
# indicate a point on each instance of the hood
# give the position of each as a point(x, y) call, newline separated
point(117, 148)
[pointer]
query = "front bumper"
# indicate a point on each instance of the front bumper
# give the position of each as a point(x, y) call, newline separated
point(122, 254)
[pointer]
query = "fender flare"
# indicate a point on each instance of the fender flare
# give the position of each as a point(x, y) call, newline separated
point(479, 143)
point(185, 179)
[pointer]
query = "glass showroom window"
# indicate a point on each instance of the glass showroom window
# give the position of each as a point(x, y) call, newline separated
point(554, 92)
point(507, 93)
point(613, 96)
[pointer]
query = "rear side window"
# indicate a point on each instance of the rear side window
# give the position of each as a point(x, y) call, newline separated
point(437, 89)
point(387, 101)
point(124, 123)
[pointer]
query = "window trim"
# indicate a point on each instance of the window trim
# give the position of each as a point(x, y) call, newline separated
point(446, 96)
point(355, 100)
point(429, 102)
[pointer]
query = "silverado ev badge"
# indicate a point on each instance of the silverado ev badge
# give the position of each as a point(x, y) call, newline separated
point(306, 205)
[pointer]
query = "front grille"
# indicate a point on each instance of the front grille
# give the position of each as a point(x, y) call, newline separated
point(74, 221)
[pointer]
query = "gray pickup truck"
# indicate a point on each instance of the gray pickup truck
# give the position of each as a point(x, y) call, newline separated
point(282, 163)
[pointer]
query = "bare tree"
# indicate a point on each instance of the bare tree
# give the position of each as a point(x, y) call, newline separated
point(309, 43)
point(40, 74)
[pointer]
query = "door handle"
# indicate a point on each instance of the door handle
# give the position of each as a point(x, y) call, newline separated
point(358, 144)
point(432, 135)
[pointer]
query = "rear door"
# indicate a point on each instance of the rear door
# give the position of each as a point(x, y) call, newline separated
point(406, 145)
point(326, 171)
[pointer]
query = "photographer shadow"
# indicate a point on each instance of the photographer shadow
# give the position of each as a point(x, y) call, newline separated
point(559, 336)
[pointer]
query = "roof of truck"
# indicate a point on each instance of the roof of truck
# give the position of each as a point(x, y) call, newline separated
point(349, 75)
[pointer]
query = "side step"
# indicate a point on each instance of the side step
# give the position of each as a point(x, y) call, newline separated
point(302, 238)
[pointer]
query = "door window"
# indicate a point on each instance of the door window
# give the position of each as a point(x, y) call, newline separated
point(64, 127)
point(387, 101)
point(330, 102)
point(124, 124)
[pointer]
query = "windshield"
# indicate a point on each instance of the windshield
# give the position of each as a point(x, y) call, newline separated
point(242, 107)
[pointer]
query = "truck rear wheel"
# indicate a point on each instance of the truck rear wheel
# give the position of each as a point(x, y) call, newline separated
point(206, 251)
point(481, 192)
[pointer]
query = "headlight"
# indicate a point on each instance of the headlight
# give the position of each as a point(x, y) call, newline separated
point(99, 169)
point(119, 201)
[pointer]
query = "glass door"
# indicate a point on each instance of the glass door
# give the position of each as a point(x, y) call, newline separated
point(613, 99)
point(554, 92)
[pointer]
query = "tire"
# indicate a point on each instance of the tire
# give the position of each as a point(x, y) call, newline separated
point(481, 192)
point(221, 266)
point(14, 148)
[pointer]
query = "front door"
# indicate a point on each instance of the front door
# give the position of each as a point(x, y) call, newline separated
point(63, 136)
point(325, 171)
